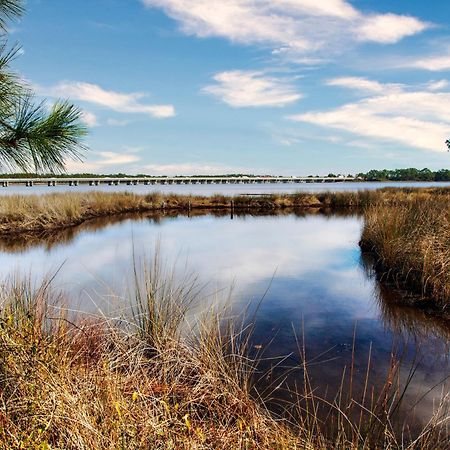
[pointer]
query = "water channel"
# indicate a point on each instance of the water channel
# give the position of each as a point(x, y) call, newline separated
point(319, 290)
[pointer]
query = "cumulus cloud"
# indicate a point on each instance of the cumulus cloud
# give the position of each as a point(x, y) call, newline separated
point(116, 101)
point(413, 118)
point(240, 89)
point(389, 28)
point(299, 25)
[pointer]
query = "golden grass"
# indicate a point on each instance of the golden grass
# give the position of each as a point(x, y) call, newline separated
point(152, 380)
point(33, 213)
point(412, 243)
point(100, 385)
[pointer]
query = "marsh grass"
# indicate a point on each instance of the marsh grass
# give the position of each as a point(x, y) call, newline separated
point(31, 213)
point(412, 244)
point(153, 379)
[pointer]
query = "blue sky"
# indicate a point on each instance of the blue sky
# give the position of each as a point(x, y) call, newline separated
point(291, 87)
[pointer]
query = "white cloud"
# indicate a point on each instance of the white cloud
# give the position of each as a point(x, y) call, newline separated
point(363, 84)
point(437, 85)
point(102, 161)
point(89, 118)
point(419, 119)
point(389, 28)
point(111, 158)
point(300, 25)
point(432, 63)
point(191, 169)
point(117, 101)
point(240, 89)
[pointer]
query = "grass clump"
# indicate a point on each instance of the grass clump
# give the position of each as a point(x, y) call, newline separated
point(412, 243)
point(154, 379)
point(128, 384)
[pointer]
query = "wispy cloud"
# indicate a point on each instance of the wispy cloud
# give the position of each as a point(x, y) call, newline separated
point(188, 168)
point(102, 160)
point(89, 118)
point(301, 26)
point(412, 118)
point(116, 101)
point(241, 89)
point(432, 63)
point(437, 85)
point(362, 84)
point(117, 122)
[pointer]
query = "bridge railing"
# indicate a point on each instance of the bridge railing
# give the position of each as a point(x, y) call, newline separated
point(75, 181)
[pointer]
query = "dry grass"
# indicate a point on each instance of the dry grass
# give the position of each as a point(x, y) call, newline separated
point(103, 385)
point(151, 380)
point(30, 213)
point(412, 243)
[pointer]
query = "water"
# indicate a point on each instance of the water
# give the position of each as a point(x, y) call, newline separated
point(224, 189)
point(321, 291)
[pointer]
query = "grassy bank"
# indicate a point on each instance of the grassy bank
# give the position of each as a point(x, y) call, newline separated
point(152, 380)
point(31, 213)
point(407, 229)
point(412, 244)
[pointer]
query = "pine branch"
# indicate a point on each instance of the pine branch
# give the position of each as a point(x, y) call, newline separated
point(10, 9)
point(41, 141)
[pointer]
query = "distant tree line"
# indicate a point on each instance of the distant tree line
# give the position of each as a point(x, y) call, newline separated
point(372, 175)
point(410, 174)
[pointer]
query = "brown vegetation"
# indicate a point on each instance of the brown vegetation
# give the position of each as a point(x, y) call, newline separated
point(407, 229)
point(412, 243)
point(32, 213)
point(151, 380)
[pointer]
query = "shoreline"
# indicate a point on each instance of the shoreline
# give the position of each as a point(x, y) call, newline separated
point(33, 217)
point(32, 213)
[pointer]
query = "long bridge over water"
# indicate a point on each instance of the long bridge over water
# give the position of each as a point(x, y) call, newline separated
point(130, 181)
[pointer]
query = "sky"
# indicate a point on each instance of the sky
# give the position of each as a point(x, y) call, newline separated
point(286, 87)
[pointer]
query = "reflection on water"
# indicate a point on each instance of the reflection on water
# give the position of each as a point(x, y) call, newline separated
point(52, 238)
point(321, 287)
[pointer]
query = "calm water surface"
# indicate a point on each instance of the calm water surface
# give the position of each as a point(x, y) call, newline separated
point(320, 288)
point(224, 189)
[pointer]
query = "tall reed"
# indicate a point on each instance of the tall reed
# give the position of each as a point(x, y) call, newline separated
point(158, 378)
point(412, 244)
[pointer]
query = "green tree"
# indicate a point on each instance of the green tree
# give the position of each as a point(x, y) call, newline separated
point(32, 135)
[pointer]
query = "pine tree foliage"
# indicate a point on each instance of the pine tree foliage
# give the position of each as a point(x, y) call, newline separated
point(33, 137)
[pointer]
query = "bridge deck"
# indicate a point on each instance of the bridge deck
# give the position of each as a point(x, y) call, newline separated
point(166, 180)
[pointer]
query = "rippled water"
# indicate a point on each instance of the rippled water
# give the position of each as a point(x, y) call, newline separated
point(321, 290)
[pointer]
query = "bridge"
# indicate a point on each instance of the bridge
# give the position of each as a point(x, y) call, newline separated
point(131, 181)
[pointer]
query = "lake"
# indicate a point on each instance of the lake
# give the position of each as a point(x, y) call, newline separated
point(319, 292)
point(224, 189)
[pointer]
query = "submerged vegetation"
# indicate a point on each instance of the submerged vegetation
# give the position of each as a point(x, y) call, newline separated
point(154, 379)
